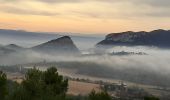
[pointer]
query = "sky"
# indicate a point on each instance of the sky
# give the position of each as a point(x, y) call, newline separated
point(85, 16)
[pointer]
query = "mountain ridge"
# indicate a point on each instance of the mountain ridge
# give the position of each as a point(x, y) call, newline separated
point(158, 38)
point(61, 45)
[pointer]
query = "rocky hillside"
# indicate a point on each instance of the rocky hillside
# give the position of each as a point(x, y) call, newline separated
point(57, 46)
point(158, 38)
point(62, 45)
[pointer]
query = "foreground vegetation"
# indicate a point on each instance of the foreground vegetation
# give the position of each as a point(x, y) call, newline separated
point(39, 85)
point(44, 85)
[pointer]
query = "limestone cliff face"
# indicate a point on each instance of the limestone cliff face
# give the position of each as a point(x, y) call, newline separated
point(159, 38)
point(61, 45)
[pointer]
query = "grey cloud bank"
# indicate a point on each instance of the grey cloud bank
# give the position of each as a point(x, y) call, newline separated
point(144, 8)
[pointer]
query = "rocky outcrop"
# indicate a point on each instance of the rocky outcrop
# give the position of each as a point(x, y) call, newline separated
point(158, 38)
point(62, 45)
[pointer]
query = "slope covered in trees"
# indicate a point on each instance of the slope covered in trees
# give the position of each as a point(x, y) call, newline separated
point(40, 85)
point(44, 85)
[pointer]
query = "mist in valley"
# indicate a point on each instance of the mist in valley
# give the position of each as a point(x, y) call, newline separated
point(152, 68)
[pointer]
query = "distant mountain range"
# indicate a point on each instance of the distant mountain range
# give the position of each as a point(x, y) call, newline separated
point(8, 49)
point(62, 45)
point(29, 39)
point(158, 38)
point(4, 50)
point(14, 47)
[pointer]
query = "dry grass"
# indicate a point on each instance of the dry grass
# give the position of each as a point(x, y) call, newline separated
point(76, 88)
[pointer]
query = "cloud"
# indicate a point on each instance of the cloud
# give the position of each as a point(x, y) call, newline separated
point(61, 1)
point(98, 8)
point(159, 13)
point(158, 3)
point(45, 1)
point(26, 11)
point(155, 3)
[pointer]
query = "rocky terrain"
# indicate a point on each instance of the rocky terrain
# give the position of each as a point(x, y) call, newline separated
point(158, 38)
point(60, 45)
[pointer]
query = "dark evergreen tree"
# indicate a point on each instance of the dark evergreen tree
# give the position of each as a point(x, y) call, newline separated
point(99, 96)
point(42, 85)
point(151, 98)
point(3, 85)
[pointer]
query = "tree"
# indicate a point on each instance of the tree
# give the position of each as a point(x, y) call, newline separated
point(47, 85)
point(3, 85)
point(151, 98)
point(32, 86)
point(99, 96)
point(54, 82)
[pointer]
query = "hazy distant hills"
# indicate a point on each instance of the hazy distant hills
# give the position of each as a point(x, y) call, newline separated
point(158, 38)
point(8, 49)
point(14, 47)
point(30, 39)
point(4, 50)
point(62, 45)
point(24, 34)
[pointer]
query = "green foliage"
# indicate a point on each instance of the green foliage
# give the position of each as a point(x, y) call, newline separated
point(78, 97)
point(55, 83)
point(99, 96)
point(44, 85)
point(33, 83)
point(40, 85)
point(151, 98)
point(3, 85)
